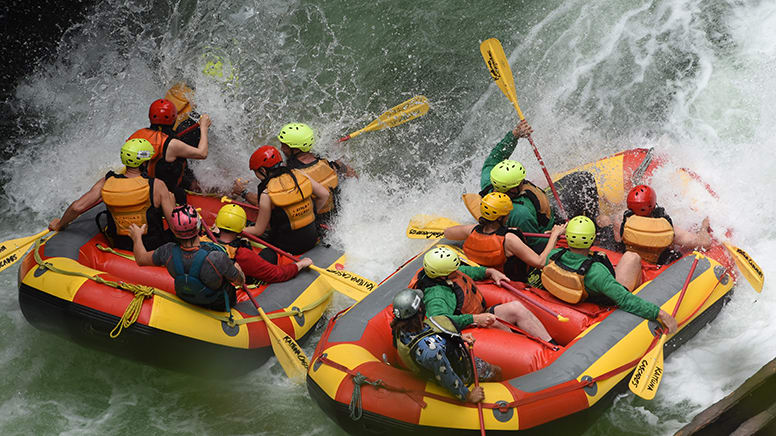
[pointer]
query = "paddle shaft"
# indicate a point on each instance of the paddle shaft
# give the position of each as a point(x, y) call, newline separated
point(187, 130)
point(226, 199)
point(547, 176)
point(541, 306)
point(684, 288)
point(476, 385)
point(272, 247)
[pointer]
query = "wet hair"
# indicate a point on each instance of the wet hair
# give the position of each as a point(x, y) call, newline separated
point(412, 324)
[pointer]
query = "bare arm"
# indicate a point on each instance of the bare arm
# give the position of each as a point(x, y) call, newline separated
point(178, 148)
point(78, 207)
point(516, 247)
point(142, 256)
point(163, 199)
point(459, 232)
point(262, 218)
point(320, 193)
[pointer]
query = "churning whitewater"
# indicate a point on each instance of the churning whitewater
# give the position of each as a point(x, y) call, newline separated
point(691, 78)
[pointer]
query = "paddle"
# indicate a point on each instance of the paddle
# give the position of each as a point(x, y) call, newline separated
point(289, 353)
point(409, 110)
point(476, 385)
point(11, 251)
point(494, 56)
point(648, 373)
point(433, 227)
point(541, 306)
point(354, 286)
point(226, 199)
point(748, 267)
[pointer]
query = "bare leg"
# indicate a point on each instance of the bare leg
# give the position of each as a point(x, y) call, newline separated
point(628, 270)
point(517, 314)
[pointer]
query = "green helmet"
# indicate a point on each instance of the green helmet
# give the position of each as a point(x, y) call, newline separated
point(580, 232)
point(440, 261)
point(136, 151)
point(297, 135)
point(506, 175)
point(407, 303)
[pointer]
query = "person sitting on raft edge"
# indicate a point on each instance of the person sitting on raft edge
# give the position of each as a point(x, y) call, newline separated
point(230, 221)
point(448, 289)
point(490, 243)
point(288, 200)
point(130, 198)
point(204, 275)
point(532, 212)
point(647, 230)
point(170, 154)
point(434, 349)
point(574, 274)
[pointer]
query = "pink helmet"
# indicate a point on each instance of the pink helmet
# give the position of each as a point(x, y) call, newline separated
point(185, 222)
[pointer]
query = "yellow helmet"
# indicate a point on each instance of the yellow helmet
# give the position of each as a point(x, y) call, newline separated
point(231, 217)
point(506, 175)
point(440, 261)
point(495, 205)
point(580, 232)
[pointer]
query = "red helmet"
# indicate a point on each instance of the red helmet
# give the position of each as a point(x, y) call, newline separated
point(642, 200)
point(162, 112)
point(185, 222)
point(265, 156)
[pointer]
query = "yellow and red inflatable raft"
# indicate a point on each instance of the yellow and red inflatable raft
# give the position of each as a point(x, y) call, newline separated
point(68, 286)
point(356, 376)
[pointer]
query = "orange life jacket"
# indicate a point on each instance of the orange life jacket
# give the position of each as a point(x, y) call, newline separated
point(486, 249)
point(647, 236)
point(568, 284)
point(296, 202)
point(171, 173)
point(468, 298)
point(128, 201)
point(320, 171)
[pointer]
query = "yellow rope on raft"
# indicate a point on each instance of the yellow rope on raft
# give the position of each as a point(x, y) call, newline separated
point(142, 292)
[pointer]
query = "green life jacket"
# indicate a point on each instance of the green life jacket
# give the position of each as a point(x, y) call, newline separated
point(457, 353)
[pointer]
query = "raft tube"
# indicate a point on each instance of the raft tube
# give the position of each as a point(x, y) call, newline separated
point(357, 378)
point(56, 295)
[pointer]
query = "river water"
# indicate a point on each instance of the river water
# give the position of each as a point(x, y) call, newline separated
point(691, 78)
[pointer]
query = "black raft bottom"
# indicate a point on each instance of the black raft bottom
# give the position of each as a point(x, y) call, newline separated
point(374, 424)
point(91, 328)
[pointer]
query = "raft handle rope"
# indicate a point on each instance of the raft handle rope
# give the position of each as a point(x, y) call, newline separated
point(355, 406)
point(141, 292)
point(554, 391)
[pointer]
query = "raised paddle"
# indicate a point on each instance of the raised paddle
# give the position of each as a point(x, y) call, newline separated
point(290, 355)
point(748, 267)
point(494, 56)
point(649, 371)
point(352, 285)
point(409, 110)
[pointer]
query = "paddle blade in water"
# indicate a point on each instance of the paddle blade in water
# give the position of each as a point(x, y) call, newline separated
point(648, 373)
point(290, 355)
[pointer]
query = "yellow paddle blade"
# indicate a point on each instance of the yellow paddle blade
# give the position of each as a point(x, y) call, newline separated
point(428, 226)
point(409, 110)
point(290, 355)
point(748, 267)
point(648, 373)
point(497, 63)
point(11, 251)
point(460, 254)
point(472, 203)
point(347, 283)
